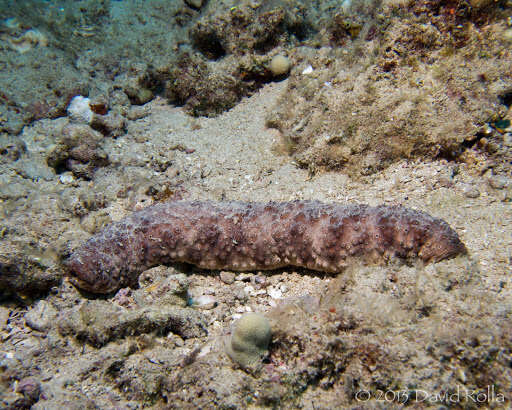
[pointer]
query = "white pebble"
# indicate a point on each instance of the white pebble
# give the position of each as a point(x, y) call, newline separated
point(205, 301)
point(204, 351)
point(308, 70)
point(79, 110)
point(275, 293)
point(66, 178)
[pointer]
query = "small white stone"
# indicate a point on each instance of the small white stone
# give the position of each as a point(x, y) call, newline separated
point(471, 192)
point(308, 70)
point(205, 301)
point(66, 178)
point(204, 351)
point(275, 293)
point(79, 110)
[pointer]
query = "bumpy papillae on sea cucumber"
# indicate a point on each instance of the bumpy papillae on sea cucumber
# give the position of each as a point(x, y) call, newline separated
point(245, 236)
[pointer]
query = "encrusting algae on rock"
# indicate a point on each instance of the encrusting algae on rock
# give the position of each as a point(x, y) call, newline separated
point(250, 236)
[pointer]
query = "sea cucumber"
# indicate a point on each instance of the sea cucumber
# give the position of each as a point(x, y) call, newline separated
point(257, 236)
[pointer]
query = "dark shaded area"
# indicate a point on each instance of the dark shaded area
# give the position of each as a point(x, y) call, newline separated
point(208, 43)
point(506, 98)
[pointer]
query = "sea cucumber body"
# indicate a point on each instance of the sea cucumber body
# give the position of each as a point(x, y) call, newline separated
point(257, 236)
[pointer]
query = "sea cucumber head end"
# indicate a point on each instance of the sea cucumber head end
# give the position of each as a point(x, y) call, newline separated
point(88, 277)
point(443, 244)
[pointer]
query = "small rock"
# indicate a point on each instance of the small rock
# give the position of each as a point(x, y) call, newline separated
point(308, 70)
point(507, 139)
point(98, 322)
point(30, 388)
point(4, 316)
point(32, 169)
point(79, 110)
point(227, 277)
point(196, 4)
point(240, 294)
point(66, 179)
point(498, 182)
point(260, 280)
point(99, 105)
point(41, 316)
point(12, 149)
point(137, 112)
point(171, 289)
point(178, 341)
point(471, 192)
point(506, 195)
point(275, 293)
point(111, 124)
point(445, 182)
point(249, 290)
point(205, 302)
point(244, 277)
point(122, 297)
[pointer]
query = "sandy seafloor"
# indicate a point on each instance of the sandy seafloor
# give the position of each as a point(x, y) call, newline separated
point(233, 159)
point(434, 336)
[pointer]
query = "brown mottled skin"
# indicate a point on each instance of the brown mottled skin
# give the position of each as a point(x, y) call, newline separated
point(256, 236)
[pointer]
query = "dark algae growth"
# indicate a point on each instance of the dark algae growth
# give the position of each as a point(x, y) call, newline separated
point(257, 236)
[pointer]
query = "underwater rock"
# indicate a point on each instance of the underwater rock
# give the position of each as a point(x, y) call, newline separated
point(24, 273)
point(79, 110)
point(196, 4)
point(28, 40)
point(249, 341)
point(30, 388)
point(211, 88)
point(11, 149)
point(78, 151)
point(417, 91)
point(160, 285)
point(111, 124)
point(98, 322)
point(41, 317)
point(138, 83)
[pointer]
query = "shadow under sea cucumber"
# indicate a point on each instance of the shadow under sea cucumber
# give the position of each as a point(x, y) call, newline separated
point(245, 236)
